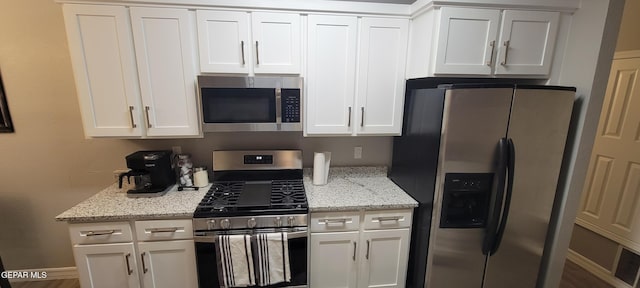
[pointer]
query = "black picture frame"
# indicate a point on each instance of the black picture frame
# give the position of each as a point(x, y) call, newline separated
point(6, 126)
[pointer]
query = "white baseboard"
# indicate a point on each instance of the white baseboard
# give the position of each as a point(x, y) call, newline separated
point(52, 274)
point(596, 269)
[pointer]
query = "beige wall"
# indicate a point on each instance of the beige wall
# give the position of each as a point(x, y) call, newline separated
point(47, 166)
point(629, 37)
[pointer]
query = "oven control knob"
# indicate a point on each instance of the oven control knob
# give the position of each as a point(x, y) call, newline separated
point(278, 221)
point(212, 224)
point(291, 220)
point(225, 224)
point(251, 223)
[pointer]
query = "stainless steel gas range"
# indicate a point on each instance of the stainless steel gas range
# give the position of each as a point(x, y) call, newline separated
point(253, 193)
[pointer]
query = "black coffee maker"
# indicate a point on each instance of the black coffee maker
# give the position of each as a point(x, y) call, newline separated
point(151, 171)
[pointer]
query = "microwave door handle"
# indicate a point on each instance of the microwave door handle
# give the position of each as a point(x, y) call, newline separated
point(278, 106)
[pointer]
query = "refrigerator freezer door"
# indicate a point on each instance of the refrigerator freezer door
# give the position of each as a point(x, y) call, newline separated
point(538, 128)
point(474, 121)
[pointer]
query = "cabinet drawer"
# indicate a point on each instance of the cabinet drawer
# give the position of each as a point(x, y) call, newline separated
point(387, 219)
point(335, 221)
point(153, 230)
point(97, 233)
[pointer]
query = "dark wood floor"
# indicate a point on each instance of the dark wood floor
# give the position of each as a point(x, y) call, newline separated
point(572, 277)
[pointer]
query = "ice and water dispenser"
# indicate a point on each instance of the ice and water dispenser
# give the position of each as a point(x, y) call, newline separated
point(465, 201)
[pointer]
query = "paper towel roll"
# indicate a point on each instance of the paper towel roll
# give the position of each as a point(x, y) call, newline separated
point(321, 163)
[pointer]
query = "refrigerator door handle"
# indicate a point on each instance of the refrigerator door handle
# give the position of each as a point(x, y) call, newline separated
point(494, 214)
point(507, 200)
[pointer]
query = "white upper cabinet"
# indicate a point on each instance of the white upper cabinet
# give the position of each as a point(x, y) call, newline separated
point(249, 43)
point(527, 41)
point(466, 40)
point(134, 69)
point(105, 70)
point(223, 40)
point(338, 102)
point(381, 66)
point(165, 44)
point(473, 41)
point(331, 74)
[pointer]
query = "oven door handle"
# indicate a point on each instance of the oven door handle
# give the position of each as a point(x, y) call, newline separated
point(213, 238)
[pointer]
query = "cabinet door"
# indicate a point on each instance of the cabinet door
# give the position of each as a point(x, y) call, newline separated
point(333, 258)
point(168, 264)
point(466, 41)
point(331, 74)
point(384, 255)
point(381, 66)
point(224, 41)
point(277, 42)
point(164, 44)
point(105, 70)
point(527, 42)
point(106, 265)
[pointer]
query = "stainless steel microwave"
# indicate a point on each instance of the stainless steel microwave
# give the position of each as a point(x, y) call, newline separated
point(250, 103)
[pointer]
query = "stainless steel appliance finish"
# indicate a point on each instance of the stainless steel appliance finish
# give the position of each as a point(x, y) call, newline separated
point(256, 191)
point(485, 198)
point(235, 160)
point(284, 103)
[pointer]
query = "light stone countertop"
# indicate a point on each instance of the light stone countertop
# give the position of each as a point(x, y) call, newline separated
point(112, 204)
point(356, 188)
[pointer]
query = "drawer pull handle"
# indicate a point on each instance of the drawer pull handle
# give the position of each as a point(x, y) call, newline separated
point(133, 123)
point(100, 233)
point(163, 230)
point(146, 112)
point(126, 258)
point(329, 221)
point(144, 266)
point(506, 53)
point(391, 218)
point(242, 50)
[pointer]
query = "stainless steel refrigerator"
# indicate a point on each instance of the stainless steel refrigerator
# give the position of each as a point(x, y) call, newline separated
point(483, 162)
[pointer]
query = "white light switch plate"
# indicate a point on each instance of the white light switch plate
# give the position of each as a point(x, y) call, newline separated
point(357, 152)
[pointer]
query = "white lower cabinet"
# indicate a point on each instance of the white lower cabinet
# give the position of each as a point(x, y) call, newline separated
point(106, 265)
point(168, 264)
point(372, 253)
point(164, 260)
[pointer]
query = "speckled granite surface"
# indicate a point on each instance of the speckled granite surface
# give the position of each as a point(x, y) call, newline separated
point(355, 188)
point(112, 204)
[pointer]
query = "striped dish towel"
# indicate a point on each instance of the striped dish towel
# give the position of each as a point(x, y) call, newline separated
point(272, 259)
point(236, 260)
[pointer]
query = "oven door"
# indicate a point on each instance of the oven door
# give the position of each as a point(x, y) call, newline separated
point(209, 269)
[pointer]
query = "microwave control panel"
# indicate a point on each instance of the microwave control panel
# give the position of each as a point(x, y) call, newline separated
point(290, 105)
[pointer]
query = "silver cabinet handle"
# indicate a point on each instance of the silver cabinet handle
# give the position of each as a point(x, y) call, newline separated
point(354, 250)
point(349, 120)
point(361, 116)
point(257, 54)
point(146, 112)
point(144, 266)
point(100, 233)
point(506, 53)
point(133, 124)
point(126, 259)
point(391, 218)
point(163, 230)
point(341, 220)
point(242, 49)
point(368, 246)
point(493, 48)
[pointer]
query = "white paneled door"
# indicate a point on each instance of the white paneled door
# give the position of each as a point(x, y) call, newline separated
point(611, 199)
point(467, 41)
point(277, 42)
point(223, 38)
point(331, 74)
point(168, 264)
point(105, 69)
point(383, 256)
point(382, 59)
point(165, 49)
point(527, 41)
point(333, 258)
point(106, 265)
